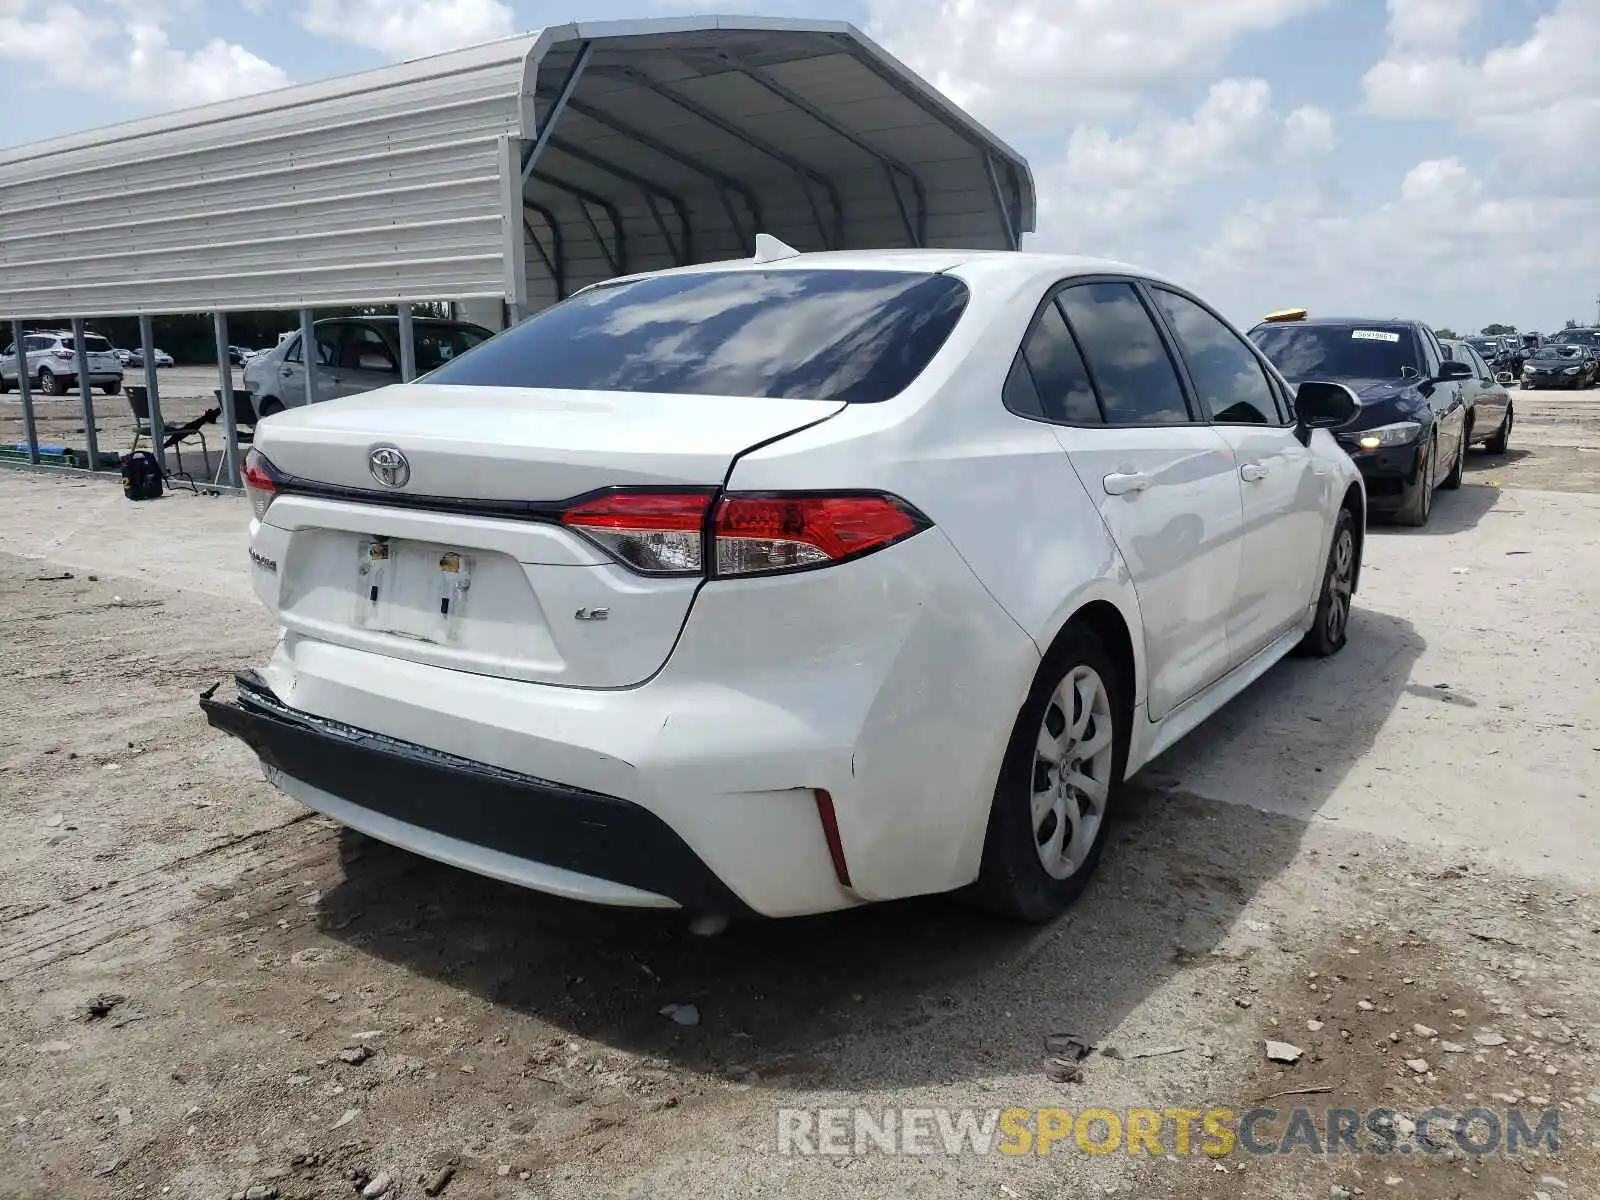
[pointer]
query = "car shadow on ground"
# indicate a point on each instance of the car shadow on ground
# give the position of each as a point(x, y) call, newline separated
point(922, 991)
point(1453, 512)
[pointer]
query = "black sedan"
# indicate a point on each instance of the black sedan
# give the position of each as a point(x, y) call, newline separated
point(1560, 366)
point(1409, 436)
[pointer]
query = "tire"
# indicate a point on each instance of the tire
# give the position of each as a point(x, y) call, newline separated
point(1502, 436)
point(1327, 634)
point(5, 385)
point(1013, 879)
point(1452, 481)
point(1420, 507)
point(111, 389)
point(270, 405)
point(50, 384)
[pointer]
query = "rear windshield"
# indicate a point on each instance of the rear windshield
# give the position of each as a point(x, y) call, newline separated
point(1335, 352)
point(1559, 352)
point(91, 344)
point(856, 336)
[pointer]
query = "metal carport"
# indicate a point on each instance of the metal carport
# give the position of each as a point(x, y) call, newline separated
point(514, 172)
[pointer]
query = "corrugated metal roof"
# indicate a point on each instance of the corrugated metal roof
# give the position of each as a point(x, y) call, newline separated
point(681, 138)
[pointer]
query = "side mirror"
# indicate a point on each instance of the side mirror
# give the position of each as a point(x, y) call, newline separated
point(1451, 371)
point(1319, 405)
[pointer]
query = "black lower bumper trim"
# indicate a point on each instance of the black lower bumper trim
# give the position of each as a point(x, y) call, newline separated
point(529, 818)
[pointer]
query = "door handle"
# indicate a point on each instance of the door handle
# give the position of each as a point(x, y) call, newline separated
point(1121, 484)
point(1253, 472)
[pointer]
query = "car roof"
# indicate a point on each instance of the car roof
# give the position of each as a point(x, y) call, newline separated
point(1017, 264)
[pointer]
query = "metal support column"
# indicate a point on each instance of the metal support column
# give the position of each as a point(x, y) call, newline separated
point(91, 441)
point(408, 341)
point(25, 391)
point(230, 425)
point(308, 353)
point(158, 427)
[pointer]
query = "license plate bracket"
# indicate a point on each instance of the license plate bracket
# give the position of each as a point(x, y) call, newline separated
point(411, 589)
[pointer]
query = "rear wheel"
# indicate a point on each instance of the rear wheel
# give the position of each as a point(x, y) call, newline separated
point(1419, 507)
point(112, 388)
point(1502, 437)
point(1326, 636)
point(1058, 784)
point(1452, 481)
point(49, 383)
point(5, 385)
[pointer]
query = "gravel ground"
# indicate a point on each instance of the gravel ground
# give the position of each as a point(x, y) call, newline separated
point(1388, 860)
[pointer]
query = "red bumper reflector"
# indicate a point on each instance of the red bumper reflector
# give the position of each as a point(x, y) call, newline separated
point(830, 831)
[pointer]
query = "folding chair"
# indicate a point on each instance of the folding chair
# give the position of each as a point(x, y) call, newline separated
point(174, 436)
point(244, 423)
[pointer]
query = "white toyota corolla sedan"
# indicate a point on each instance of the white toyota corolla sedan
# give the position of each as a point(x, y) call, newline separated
point(787, 584)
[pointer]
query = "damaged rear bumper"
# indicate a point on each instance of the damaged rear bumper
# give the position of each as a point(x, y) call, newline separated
point(549, 836)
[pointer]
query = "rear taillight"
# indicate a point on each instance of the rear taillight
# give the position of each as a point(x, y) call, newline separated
point(756, 535)
point(654, 533)
point(260, 482)
point(64, 355)
point(665, 533)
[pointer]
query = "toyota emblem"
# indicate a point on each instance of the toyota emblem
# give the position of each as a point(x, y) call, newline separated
point(389, 467)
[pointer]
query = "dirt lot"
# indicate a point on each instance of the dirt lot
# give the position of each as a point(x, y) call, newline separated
point(1388, 859)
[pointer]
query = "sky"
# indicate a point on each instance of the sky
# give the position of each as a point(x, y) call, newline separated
point(1437, 159)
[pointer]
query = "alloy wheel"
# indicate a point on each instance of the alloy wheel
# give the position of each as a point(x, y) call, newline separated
point(1072, 771)
point(1341, 584)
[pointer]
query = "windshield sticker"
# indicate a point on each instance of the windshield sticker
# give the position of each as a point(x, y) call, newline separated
point(1374, 335)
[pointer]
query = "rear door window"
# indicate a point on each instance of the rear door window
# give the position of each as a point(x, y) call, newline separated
point(805, 333)
point(363, 349)
point(1126, 357)
point(1228, 378)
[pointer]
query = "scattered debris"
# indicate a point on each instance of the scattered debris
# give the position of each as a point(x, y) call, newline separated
point(1067, 1045)
point(1063, 1070)
point(355, 1055)
point(1423, 1031)
point(1365, 1005)
point(350, 1114)
point(682, 1014)
point(1314, 1026)
point(53, 821)
point(1489, 1039)
point(1242, 1001)
point(1157, 1051)
point(381, 1183)
point(1452, 1047)
point(1311, 1089)
point(440, 1181)
point(98, 1007)
point(1419, 1065)
point(110, 1167)
point(1283, 1052)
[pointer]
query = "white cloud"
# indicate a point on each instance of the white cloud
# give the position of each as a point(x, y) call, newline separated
point(1030, 64)
point(1105, 187)
point(1430, 25)
point(124, 51)
point(408, 28)
point(1537, 100)
point(1448, 247)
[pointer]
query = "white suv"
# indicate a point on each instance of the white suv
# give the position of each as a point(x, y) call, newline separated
point(53, 363)
point(780, 586)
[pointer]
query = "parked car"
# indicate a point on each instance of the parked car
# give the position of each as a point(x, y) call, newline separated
point(1560, 366)
point(136, 358)
point(52, 360)
point(354, 354)
point(1489, 407)
point(125, 357)
point(1408, 436)
point(781, 586)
